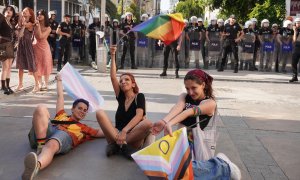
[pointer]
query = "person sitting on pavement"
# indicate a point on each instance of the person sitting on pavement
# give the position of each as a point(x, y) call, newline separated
point(198, 101)
point(57, 136)
point(131, 127)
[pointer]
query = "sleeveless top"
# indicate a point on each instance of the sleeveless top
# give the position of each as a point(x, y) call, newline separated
point(190, 103)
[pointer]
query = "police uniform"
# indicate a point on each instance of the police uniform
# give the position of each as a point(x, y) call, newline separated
point(296, 57)
point(214, 35)
point(77, 37)
point(202, 30)
point(129, 40)
point(286, 39)
point(65, 44)
point(266, 35)
point(247, 48)
point(52, 37)
point(256, 47)
point(230, 44)
point(194, 36)
point(92, 37)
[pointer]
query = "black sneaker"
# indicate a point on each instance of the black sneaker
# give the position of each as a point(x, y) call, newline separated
point(133, 67)
point(163, 74)
point(236, 70)
point(126, 151)
point(10, 90)
point(221, 69)
point(295, 78)
point(112, 149)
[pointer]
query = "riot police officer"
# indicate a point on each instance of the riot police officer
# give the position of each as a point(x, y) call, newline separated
point(78, 31)
point(129, 40)
point(233, 34)
point(296, 52)
point(285, 39)
point(52, 36)
point(257, 43)
point(194, 35)
point(65, 31)
point(266, 38)
point(213, 37)
point(95, 26)
point(202, 31)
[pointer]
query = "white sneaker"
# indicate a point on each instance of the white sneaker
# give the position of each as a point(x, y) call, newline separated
point(94, 65)
point(235, 172)
point(31, 166)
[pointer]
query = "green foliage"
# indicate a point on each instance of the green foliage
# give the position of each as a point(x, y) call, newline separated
point(190, 8)
point(273, 10)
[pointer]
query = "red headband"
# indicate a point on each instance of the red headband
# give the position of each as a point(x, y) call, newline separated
point(201, 75)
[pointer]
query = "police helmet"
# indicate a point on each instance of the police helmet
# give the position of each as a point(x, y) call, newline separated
point(286, 23)
point(297, 20)
point(115, 20)
point(226, 21)
point(254, 20)
point(144, 16)
point(213, 20)
point(265, 21)
point(76, 15)
point(274, 25)
point(50, 13)
point(200, 20)
point(123, 16)
point(193, 19)
point(248, 23)
point(128, 14)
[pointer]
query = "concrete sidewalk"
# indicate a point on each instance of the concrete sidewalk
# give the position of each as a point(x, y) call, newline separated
point(259, 129)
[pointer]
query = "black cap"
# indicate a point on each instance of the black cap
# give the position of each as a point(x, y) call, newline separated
point(232, 16)
point(67, 15)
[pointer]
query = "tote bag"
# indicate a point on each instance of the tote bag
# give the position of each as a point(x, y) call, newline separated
point(205, 140)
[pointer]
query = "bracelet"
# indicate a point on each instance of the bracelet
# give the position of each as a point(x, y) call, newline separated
point(197, 111)
point(165, 121)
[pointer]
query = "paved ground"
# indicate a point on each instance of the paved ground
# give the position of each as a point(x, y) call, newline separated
point(259, 129)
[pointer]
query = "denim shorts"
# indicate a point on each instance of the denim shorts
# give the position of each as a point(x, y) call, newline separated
point(63, 138)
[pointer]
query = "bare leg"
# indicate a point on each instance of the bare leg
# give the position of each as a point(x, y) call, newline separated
point(107, 127)
point(40, 121)
point(48, 152)
point(5, 68)
point(46, 79)
point(20, 85)
point(36, 83)
point(138, 134)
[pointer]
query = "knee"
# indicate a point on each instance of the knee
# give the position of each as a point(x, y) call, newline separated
point(53, 145)
point(147, 124)
point(41, 110)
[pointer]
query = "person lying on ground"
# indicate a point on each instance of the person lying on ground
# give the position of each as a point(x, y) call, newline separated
point(57, 136)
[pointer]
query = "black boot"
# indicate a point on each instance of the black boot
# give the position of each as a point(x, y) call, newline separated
point(3, 88)
point(294, 78)
point(176, 74)
point(221, 68)
point(164, 73)
point(7, 85)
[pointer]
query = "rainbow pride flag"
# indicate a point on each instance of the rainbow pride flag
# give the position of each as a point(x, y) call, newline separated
point(166, 27)
point(167, 158)
point(77, 87)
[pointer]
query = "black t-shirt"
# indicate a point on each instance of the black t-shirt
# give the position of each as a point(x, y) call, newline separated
point(266, 33)
point(5, 30)
point(286, 34)
point(126, 27)
point(193, 32)
point(232, 30)
point(297, 43)
point(65, 28)
point(190, 103)
point(124, 117)
point(95, 27)
point(53, 26)
point(77, 29)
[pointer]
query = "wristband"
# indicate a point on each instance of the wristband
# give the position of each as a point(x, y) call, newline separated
point(197, 111)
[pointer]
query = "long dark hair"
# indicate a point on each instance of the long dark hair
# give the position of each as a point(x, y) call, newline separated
point(12, 20)
point(208, 90)
point(46, 18)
